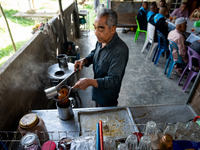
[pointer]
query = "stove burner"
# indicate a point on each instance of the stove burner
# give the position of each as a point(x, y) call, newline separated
point(59, 73)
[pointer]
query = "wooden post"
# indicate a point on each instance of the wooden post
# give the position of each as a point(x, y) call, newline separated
point(62, 21)
point(13, 43)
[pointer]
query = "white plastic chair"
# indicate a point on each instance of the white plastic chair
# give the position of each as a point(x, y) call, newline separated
point(150, 39)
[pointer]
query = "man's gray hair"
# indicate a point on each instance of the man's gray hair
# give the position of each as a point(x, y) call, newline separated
point(111, 14)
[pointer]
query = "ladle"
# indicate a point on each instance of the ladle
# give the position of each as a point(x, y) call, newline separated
point(51, 92)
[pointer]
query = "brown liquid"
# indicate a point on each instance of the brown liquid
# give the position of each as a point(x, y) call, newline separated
point(63, 92)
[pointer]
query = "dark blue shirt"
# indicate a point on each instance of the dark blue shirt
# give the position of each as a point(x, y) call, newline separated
point(142, 18)
point(160, 24)
point(109, 65)
point(150, 17)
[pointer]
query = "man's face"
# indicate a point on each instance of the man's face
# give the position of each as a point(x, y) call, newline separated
point(103, 32)
point(183, 7)
point(161, 3)
point(183, 27)
point(155, 10)
point(145, 5)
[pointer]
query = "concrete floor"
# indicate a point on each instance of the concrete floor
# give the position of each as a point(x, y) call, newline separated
point(143, 82)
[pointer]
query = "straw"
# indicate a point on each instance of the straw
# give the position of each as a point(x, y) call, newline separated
point(101, 134)
point(97, 137)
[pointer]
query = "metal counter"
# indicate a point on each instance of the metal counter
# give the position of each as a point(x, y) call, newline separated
point(141, 115)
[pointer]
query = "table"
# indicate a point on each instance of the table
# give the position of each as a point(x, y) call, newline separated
point(190, 24)
point(193, 38)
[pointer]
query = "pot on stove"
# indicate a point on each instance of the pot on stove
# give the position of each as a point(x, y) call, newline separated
point(59, 71)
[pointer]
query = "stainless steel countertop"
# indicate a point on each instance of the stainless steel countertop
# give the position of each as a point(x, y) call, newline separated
point(141, 115)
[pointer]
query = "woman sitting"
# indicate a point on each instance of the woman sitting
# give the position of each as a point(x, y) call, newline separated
point(195, 14)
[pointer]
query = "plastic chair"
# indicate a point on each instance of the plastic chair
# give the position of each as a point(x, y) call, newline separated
point(138, 30)
point(170, 61)
point(150, 39)
point(162, 47)
point(192, 73)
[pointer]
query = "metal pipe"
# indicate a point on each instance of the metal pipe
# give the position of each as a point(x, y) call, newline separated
point(67, 78)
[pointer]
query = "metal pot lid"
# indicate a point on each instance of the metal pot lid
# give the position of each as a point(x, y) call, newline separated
point(55, 72)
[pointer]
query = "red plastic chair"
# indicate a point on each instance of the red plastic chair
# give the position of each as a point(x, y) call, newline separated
point(192, 73)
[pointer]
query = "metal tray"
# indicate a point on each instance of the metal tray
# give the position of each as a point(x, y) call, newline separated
point(117, 122)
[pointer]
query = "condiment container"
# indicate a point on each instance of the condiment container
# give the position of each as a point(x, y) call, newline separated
point(30, 142)
point(166, 142)
point(49, 145)
point(33, 123)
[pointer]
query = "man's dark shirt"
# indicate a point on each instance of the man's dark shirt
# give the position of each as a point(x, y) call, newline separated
point(151, 19)
point(142, 18)
point(109, 65)
point(160, 25)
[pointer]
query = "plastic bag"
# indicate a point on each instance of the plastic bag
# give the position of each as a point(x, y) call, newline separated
point(83, 143)
point(186, 145)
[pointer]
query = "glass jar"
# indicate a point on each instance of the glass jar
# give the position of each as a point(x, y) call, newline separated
point(30, 142)
point(34, 124)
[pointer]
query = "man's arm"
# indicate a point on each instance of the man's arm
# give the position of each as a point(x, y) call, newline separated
point(174, 13)
point(83, 83)
point(182, 49)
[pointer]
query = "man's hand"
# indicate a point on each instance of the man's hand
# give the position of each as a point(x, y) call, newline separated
point(80, 63)
point(83, 83)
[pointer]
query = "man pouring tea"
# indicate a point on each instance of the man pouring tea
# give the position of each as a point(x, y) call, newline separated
point(109, 59)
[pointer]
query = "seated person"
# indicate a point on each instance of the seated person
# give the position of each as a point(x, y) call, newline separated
point(195, 14)
point(177, 37)
point(152, 13)
point(160, 22)
point(164, 4)
point(196, 47)
point(180, 12)
point(142, 16)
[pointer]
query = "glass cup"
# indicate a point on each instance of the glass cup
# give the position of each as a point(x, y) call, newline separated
point(195, 137)
point(131, 142)
point(170, 18)
point(122, 146)
point(105, 120)
point(151, 128)
point(193, 127)
point(145, 143)
point(182, 137)
point(170, 130)
point(109, 144)
point(180, 129)
point(192, 29)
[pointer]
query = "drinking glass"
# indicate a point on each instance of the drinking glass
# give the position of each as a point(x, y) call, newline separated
point(195, 137)
point(131, 142)
point(170, 18)
point(145, 143)
point(122, 146)
point(170, 130)
point(110, 144)
point(192, 29)
point(182, 137)
point(151, 128)
point(180, 130)
point(105, 120)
